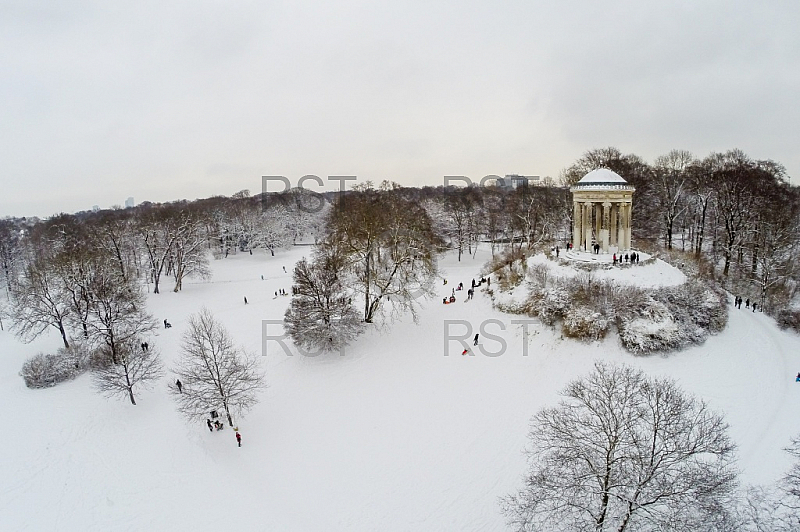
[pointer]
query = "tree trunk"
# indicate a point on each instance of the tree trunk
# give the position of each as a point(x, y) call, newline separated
point(367, 317)
point(669, 233)
point(130, 386)
point(228, 413)
point(63, 334)
point(701, 229)
point(727, 267)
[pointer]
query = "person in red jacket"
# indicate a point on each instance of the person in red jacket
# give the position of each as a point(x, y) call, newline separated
point(239, 438)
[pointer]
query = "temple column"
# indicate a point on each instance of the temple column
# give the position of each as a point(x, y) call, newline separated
point(624, 221)
point(613, 227)
point(605, 225)
point(576, 225)
point(629, 225)
point(626, 228)
point(598, 220)
point(587, 226)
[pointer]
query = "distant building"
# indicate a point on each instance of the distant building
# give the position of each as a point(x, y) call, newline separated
point(129, 203)
point(514, 181)
point(95, 208)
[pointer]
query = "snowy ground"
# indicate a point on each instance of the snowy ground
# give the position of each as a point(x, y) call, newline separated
point(400, 433)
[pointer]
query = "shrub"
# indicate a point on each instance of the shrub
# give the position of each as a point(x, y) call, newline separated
point(789, 318)
point(585, 323)
point(696, 306)
point(509, 268)
point(46, 370)
point(549, 304)
point(649, 328)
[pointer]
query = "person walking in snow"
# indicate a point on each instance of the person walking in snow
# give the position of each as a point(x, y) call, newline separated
point(747, 303)
point(210, 426)
point(245, 300)
point(754, 306)
point(284, 269)
point(476, 339)
point(238, 438)
point(798, 377)
point(179, 384)
point(557, 251)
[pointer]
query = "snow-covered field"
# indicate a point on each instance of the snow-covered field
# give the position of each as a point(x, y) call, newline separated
point(401, 433)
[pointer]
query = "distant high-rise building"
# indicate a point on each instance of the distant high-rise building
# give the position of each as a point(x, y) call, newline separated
point(95, 208)
point(129, 203)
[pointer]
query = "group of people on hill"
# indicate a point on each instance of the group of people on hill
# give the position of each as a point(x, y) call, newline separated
point(632, 258)
point(470, 291)
point(737, 302)
point(214, 425)
point(217, 424)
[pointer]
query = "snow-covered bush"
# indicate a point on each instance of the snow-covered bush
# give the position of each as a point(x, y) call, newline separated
point(695, 305)
point(585, 323)
point(512, 306)
point(648, 319)
point(46, 369)
point(509, 268)
point(669, 318)
point(789, 318)
point(648, 328)
point(549, 304)
point(548, 298)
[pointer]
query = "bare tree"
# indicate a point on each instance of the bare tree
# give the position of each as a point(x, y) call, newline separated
point(671, 184)
point(10, 253)
point(189, 251)
point(39, 302)
point(216, 375)
point(390, 246)
point(790, 483)
point(775, 508)
point(624, 452)
point(135, 367)
point(156, 233)
point(321, 314)
point(117, 314)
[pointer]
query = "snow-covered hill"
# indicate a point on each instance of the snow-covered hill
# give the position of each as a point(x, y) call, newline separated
point(401, 433)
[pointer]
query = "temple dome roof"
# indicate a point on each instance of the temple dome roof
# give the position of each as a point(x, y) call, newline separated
point(602, 176)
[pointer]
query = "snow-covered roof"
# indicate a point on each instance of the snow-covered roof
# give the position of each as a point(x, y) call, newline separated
point(601, 175)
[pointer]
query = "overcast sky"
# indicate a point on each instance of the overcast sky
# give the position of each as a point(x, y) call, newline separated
point(160, 101)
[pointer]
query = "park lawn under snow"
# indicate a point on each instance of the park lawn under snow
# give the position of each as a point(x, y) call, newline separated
point(401, 433)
